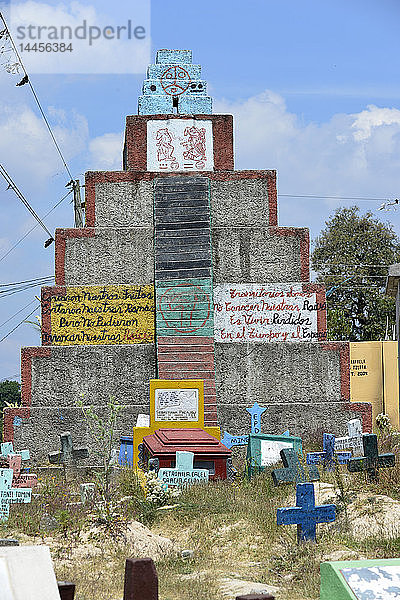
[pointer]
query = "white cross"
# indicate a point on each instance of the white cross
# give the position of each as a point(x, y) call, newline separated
point(353, 440)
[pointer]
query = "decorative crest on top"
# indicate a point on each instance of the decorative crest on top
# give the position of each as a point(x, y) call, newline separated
point(174, 85)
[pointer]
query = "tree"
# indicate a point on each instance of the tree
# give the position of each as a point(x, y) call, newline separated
point(351, 257)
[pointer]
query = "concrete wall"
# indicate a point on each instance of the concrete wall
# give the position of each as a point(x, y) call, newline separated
point(305, 386)
point(125, 199)
point(258, 254)
point(105, 256)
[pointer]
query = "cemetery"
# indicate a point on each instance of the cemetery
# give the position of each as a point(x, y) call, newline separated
point(186, 427)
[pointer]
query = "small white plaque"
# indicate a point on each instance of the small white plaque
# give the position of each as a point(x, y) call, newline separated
point(143, 420)
point(176, 405)
point(179, 145)
point(270, 452)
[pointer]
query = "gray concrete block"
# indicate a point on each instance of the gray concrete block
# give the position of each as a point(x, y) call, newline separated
point(277, 372)
point(98, 372)
point(124, 204)
point(240, 202)
point(254, 255)
point(113, 255)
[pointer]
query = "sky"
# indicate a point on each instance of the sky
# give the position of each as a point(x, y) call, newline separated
point(314, 88)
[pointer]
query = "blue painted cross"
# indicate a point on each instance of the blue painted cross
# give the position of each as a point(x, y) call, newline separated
point(234, 440)
point(293, 471)
point(7, 448)
point(10, 495)
point(256, 411)
point(328, 456)
point(183, 473)
point(371, 461)
point(305, 514)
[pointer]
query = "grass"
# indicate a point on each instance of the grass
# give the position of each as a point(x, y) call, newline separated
point(230, 529)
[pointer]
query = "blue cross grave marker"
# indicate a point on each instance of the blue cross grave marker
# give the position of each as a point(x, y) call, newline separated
point(7, 448)
point(305, 514)
point(371, 461)
point(293, 471)
point(10, 495)
point(183, 473)
point(328, 456)
point(256, 411)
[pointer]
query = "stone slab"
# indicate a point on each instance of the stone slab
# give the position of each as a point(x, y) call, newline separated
point(26, 573)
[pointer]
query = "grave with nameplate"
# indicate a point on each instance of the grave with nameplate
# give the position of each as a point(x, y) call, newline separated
point(175, 404)
point(263, 450)
point(329, 457)
point(10, 495)
point(374, 579)
point(160, 448)
point(305, 514)
point(353, 440)
point(184, 473)
point(20, 480)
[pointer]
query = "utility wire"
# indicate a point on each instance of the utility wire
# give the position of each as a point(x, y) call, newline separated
point(20, 323)
point(25, 202)
point(27, 281)
point(7, 293)
point(28, 81)
point(334, 197)
point(34, 227)
point(17, 313)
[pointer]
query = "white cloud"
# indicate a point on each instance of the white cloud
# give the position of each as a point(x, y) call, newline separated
point(26, 145)
point(106, 152)
point(351, 154)
point(372, 118)
point(115, 51)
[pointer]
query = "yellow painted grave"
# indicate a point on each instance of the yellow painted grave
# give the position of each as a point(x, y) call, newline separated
point(175, 404)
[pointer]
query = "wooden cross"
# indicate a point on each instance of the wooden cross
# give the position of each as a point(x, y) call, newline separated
point(293, 471)
point(371, 461)
point(328, 456)
point(10, 495)
point(305, 514)
point(20, 480)
point(68, 456)
point(353, 440)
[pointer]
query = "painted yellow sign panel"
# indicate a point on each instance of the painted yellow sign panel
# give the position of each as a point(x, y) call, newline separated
point(374, 377)
point(98, 315)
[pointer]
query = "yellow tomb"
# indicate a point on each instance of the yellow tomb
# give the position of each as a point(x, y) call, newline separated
point(176, 404)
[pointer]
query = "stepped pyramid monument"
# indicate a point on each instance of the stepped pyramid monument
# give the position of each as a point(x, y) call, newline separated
point(182, 272)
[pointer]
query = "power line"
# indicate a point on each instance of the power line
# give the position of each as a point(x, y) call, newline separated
point(17, 313)
point(334, 197)
point(25, 202)
point(27, 281)
point(34, 227)
point(28, 81)
point(7, 293)
point(20, 323)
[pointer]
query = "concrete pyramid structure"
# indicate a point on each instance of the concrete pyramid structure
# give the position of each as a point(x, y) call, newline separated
point(182, 272)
